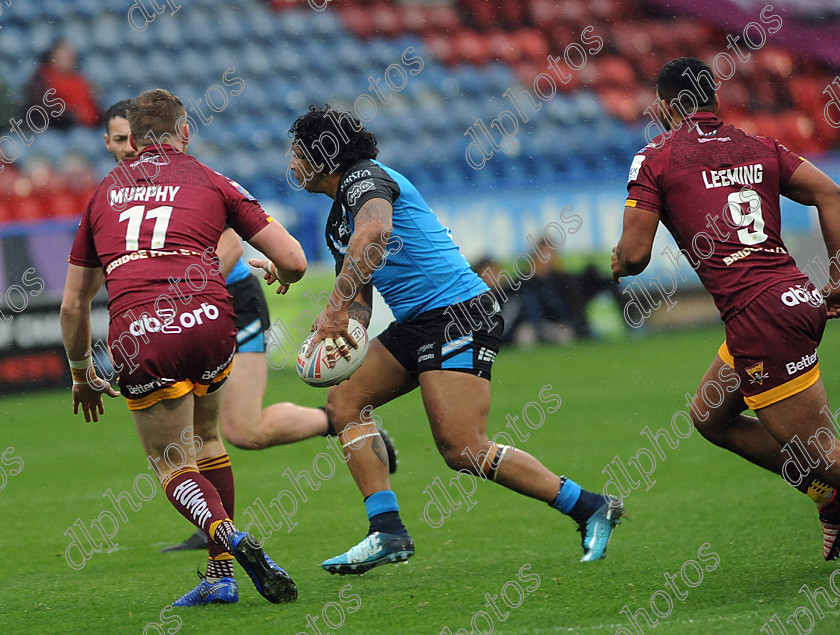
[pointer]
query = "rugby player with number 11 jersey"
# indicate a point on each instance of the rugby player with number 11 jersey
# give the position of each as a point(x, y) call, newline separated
point(150, 233)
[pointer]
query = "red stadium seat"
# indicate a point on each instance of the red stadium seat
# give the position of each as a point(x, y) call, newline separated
point(614, 71)
point(532, 44)
point(64, 203)
point(444, 19)
point(475, 48)
point(359, 21)
point(512, 14)
point(545, 15)
point(6, 209)
point(483, 15)
point(387, 20)
point(443, 48)
point(415, 19)
point(624, 103)
point(27, 208)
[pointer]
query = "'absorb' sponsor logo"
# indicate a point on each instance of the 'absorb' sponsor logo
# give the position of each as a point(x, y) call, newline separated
point(798, 294)
point(150, 324)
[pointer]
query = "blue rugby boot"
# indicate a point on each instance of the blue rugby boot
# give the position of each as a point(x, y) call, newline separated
point(222, 592)
point(272, 582)
point(376, 549)
point(597, 529)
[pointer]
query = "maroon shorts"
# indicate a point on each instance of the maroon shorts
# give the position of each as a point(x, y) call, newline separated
point(174, 350)
point(772, 343)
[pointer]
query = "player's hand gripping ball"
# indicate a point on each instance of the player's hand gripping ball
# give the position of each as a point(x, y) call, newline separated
point(315, 369)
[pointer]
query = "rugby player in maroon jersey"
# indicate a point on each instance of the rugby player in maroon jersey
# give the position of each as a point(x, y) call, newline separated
point(717, 189)
point(149, 233)
point(245, 423)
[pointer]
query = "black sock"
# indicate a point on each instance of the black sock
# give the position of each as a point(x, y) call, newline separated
point(587, 504)
point(388, 523)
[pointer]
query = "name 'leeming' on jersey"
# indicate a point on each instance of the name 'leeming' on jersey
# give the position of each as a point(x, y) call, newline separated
point(742, 175)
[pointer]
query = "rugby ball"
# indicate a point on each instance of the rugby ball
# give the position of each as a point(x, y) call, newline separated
point(315, 369)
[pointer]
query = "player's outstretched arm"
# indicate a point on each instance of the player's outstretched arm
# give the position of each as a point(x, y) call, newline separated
point(632, 254)
point(811, 186)
point(286, 261)
point(366, 253)
point(80, 286)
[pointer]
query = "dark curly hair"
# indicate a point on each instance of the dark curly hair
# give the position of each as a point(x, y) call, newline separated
point(340, 130)
point(679, 83)
point(119, 109)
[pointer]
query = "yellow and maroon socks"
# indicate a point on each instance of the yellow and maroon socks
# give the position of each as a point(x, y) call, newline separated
point(218, 471)
point(819, 492)
point(198, 500)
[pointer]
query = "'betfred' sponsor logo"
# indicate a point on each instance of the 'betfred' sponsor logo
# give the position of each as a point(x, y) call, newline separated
point(798, 294)
point(150, 324)
point(139, 389)
point(802, 364)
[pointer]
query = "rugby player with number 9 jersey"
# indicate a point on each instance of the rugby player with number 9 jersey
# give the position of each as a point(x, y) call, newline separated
point(716, 189)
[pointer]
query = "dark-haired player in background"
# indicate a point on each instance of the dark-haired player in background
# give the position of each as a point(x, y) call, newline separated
point(717, 191)
point(245, 423)
point(382, 233)
point(153, 220)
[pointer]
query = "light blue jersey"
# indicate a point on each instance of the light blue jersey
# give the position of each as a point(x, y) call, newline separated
point(423, 268)
point(240, 271)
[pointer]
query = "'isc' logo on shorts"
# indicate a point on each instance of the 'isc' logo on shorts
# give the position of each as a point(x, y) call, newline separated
point(149, 324)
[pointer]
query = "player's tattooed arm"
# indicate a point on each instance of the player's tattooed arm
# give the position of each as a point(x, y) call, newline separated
point(362, 306)
point(365, 251)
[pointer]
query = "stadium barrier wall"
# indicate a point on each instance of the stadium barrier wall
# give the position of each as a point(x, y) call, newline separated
point(499, 222)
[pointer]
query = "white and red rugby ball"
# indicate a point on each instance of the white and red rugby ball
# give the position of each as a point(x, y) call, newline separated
point(315, 371)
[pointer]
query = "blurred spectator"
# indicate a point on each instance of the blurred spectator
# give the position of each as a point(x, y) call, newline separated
point(551, 305)
point(57, 70)
point(9, 107)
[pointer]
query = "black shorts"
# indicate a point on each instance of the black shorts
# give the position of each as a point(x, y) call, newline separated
point(251, 315)
point(460, 337)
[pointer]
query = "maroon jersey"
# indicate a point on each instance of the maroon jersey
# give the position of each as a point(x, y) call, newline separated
point(717, 190)
point(156, 219)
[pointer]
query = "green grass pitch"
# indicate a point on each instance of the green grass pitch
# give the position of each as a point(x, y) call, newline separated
point(763, 541)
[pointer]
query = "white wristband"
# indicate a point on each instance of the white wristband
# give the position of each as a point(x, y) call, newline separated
point(87, 362)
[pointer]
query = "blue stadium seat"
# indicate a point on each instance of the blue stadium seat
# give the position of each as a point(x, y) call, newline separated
point(261, 24)
point(381, 54)
point(199, 25)
point(349, 56)
point(86, 8)
point(587, 106)
point(323, 24)
point(106, 37)
point(292, 25)
point(229, 29)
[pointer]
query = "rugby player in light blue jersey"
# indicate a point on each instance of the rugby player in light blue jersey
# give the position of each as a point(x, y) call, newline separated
point(445, 338)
